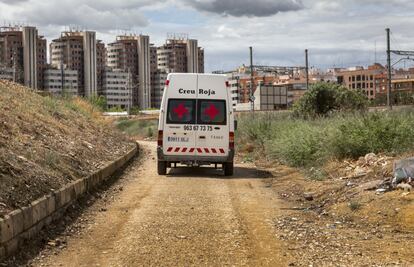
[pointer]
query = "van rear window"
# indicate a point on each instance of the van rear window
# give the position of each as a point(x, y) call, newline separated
point(181, 111)
point(212, 112)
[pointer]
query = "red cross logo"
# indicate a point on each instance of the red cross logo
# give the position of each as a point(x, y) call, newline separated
point(181, 110)
point(211, 111)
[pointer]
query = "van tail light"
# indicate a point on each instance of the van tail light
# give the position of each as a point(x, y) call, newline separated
point(231, 140)
point(160, 137)
point(167, 82)
point(227, 84)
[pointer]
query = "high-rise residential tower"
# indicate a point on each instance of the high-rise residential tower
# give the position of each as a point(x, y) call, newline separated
point(23, 53)
point(79, 50)
point(132, 54)
point(180, 54)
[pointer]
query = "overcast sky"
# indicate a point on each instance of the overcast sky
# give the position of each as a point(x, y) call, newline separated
point(336, 32)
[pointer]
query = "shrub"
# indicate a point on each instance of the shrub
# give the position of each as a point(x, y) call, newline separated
point(324, 98)
point(374, 132)
point(311, 142)
point(300, 145)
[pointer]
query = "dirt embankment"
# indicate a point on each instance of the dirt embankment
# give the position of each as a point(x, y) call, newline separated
point(46, 143)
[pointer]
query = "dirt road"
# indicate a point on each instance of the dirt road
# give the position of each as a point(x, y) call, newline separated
point(191, 217)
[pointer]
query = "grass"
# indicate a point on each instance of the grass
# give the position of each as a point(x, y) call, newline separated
point(354, 205)
point(138, 128)
point(306, 143)
point(42, 142)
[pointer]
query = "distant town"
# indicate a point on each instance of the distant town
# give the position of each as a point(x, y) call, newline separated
point(131, 71)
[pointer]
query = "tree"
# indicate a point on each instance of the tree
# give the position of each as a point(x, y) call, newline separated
point(324, 98)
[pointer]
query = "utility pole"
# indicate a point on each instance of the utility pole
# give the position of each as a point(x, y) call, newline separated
point(389, 102)
point(409, 54)
point(251, 96)
point(307, 69)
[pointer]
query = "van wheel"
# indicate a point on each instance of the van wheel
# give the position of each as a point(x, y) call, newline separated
point(228, 168)
point(162, 167)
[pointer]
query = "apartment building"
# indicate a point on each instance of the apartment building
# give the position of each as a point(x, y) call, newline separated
point(24, 51)
point(366, 80)
point(6, 74)
point(158, 88)
point(291, 78)
point(61, 81)
point(100, 65)
point(117, 88)
point(180, 54)
point(201, 60)
point(245, 85)
point(153, 74)
point(79, 50)
point(144, 72)
point(235, 86)
point(133, 54)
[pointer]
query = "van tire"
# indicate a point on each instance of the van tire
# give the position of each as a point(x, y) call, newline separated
point(228, 168)
point(162, 167)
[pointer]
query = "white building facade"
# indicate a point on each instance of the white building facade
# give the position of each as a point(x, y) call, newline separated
point(117, 89)
point(61, 82)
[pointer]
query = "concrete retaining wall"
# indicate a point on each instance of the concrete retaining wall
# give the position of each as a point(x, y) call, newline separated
point(25, 223)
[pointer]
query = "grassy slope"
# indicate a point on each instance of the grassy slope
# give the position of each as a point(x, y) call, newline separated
point(46, 143)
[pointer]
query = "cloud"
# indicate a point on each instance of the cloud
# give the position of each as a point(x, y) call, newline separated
point(239, 8)
point(100, 15)
point(12, 2)
point(336, 32)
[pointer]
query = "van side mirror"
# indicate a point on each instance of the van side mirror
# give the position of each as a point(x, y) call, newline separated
point(235, 125)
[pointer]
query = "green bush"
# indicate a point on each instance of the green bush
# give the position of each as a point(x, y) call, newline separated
point(324, 98)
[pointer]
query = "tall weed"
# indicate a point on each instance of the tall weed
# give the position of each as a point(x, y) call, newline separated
point(310, 142)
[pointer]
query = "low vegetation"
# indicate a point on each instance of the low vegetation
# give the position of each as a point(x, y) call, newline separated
point(302, 142)
point(138, 128)
point(329, 131)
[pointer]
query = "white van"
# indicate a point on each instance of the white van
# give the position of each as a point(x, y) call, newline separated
point(196, 123)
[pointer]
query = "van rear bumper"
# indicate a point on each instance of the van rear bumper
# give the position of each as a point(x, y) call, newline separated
point(195, 159)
